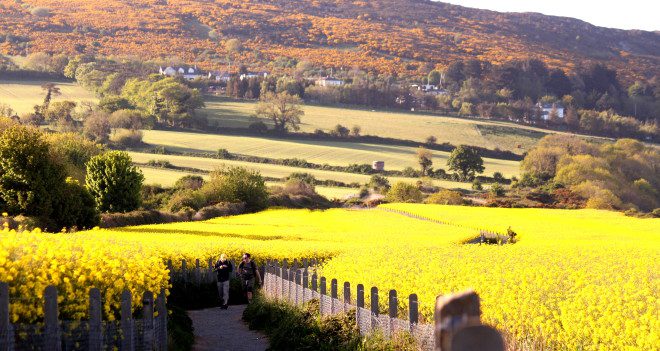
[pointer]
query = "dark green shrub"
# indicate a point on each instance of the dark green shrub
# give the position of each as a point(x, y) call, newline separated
point(237, 184)
point(30, 178)
point(224, 154)
point(186, 198)
point(114, 182)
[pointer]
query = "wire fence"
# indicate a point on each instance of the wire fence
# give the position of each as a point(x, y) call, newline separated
point(296, 286)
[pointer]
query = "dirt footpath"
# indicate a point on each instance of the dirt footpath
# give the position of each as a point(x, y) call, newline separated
point(224, 330)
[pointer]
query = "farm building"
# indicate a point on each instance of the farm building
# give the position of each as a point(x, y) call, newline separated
point(329, 82)
point(546, 109)
point(187, 72)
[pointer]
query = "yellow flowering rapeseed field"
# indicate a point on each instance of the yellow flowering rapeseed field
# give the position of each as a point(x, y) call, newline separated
point(575, 280)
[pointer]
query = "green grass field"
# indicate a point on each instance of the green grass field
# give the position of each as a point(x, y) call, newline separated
point(321, 152)
point(167, 176)
point(400, 125)
point(23, 95)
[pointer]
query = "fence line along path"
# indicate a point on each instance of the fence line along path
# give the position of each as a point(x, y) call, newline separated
point(95, 334)
point(457, 318)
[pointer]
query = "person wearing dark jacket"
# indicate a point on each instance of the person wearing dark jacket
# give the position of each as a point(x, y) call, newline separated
point(223, 268)
point(249, 272)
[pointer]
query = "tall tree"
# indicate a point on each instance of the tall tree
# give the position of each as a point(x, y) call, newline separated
point(425, 160)
point(466, 161)
point(283, 109)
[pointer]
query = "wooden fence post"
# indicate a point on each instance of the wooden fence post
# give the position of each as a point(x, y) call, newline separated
point(334, 296)
point(359, 302)
point(393, 310)
point(347, 295)
point(184, 272)
point(198, 272)
point(210, 277)
point(452, 313)
point(294, 285)
point(305, 285)
point(305, 263)
point(323, 294)
point(126, 322)
point(95, 315)
point(413, 311)
point(161, 308)
point(374, 307)
point(148, 320)
point(290, 284)
point(52, 341)
point(315, 282)
point(6, 330)
point(393, 304)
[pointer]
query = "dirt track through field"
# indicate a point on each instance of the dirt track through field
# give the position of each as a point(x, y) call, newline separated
point(224, 330)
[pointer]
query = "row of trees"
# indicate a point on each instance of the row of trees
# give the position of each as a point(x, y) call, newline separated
point(475, 88)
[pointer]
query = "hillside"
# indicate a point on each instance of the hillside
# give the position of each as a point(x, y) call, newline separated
point(387, 36)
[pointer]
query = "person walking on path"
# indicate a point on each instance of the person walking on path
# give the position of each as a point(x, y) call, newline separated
point(223, 268)
point(249, 272)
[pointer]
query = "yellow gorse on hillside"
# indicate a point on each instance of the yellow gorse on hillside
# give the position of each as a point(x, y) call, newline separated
point(575, 280)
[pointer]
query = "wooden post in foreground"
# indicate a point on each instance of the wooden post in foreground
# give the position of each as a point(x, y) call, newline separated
point(453, 313)
point(95, 339)
point(6, 330)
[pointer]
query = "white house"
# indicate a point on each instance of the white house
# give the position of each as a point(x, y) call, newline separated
point(329, 82)
point(429, 89)
point(220, 76)
point(189, 73)
point(546, 109)
point(250, 75)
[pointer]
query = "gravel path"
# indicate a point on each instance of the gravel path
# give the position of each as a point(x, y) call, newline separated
point(224, 330)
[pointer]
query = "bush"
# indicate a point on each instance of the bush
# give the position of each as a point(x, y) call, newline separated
point(114, 182)
point(186, 199)
point(113, 220)
point(159, 163)
point(379, 183)
point(30, 178)
point(76, 207)
point(340, 131)
point(496, 190)
point(224, 154)
point(127, 137)
point(410, 172)
point(294, 328)
point(476, 185)
point(445, 197)
point(303, 176)
point(126, 119)
point(191, 182)
point(219, 210)
point(404, 192)
point(237, 184)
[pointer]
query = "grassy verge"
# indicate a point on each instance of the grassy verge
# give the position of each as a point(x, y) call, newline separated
point(293, 328)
